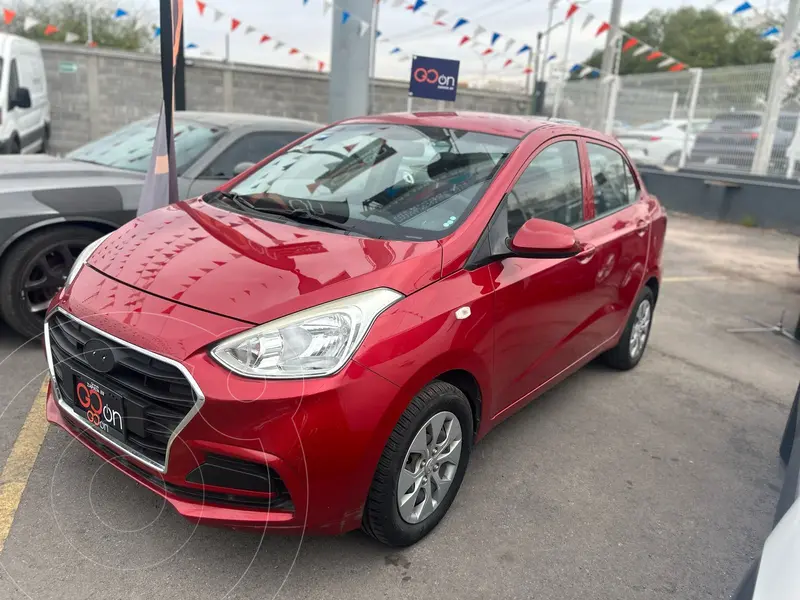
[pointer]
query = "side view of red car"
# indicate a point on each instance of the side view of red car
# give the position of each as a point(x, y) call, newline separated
point(319, 344)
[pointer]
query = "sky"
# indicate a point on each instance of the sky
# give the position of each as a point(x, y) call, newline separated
point(309, 30)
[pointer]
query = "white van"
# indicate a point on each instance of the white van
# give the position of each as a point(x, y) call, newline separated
point(24, 105)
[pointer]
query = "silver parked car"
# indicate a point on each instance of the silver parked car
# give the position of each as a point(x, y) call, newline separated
point(51, 208)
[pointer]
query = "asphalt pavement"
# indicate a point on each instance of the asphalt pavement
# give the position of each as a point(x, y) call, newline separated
point(657, 483)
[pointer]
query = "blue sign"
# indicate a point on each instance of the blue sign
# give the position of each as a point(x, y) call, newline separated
point(434, 78)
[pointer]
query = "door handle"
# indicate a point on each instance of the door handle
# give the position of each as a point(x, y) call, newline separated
point(641, 227)
point(586, 253)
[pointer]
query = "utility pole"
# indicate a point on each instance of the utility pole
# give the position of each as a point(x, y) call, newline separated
point(564, 68)
point(609, 54)
point(528, 75)
point(372, 53)
point(777, 86)
point(350, 62)
point(537, 97)
point(551, 6)
point(89, 33)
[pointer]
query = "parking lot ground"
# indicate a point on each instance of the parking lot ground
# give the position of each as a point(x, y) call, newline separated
point(657, 483)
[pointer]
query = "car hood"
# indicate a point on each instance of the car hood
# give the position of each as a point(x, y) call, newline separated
point(38, 171)
point(253, 269)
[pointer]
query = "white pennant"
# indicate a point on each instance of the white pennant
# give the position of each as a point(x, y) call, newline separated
point(588, 20)
point(585, 71)
point(29, 23)
point(642, 49)
point(404, 58)
point(278, 45)
point(510, 43)
point(218, 14)
point(71, 37)
point(249, 29)
point(439, 14)
point(666, 62)
point(363, 27)
point(397, 3)
point(478, 30)
point(326, 6)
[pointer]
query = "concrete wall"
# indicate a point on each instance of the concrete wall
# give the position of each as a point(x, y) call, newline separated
point(95, 91)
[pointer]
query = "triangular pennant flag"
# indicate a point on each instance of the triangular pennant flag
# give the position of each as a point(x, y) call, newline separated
point(575, 68)
point(119, 13)
point(201, 7)
point(249, 29)
point(487, 52)
point(156, 32)
point(464, 40)
point(771, 31)
point(218, 14)
point(552, 57)
point(404, 58)
point(278, 45)
point(573, 8)
point(440, 23)
point(744, 6)
point(326, 6)
point(265, 38)
point(461, 21)
point(345, 16)
point(642, 49)
point(508, 62)
point(395, 51)
point(439, 14)
point(495, 37)
point(92, 44)
point(419, 4)
point(397, 3)
point(50, 30)
point(71, 37)
point(363, 27)
point(794, 56)
point(378, 34)
point(666, 62)
point(235, 23)
point(586, 22)
point(603, 27)
point(8, 15)
point(654, 55)
point(527, 70)
point(478, 30)
point(294, 51)
point(585, 71)
point(681, 66)
point(320, 66)
point(30, 23)
point(525, 48)
point(191, 46)
point(629, 44)
point(510, 43)
point(305, 2)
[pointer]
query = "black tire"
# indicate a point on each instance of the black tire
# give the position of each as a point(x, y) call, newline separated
point(381, 518)
point(45, 148)
point(16, 265)
point(673, 160)
point(619, 357)
point(13, 145)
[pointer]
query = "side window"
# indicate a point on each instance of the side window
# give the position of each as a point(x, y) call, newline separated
point(13, 82)
point(249, 148)
point(614, 185)
point(549, 188)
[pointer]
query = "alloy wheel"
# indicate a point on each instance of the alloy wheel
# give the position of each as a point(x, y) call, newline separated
point(46, 273)
point(429, 467)
point(641, 328)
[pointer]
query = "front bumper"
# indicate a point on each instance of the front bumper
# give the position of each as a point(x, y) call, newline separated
point(321, 437)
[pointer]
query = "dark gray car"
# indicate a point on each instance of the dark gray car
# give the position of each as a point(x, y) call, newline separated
point(51, 208)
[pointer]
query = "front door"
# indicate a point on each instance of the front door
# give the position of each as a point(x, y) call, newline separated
point(542, 305)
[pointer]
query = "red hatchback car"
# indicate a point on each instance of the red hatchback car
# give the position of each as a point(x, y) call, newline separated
point(318, 345)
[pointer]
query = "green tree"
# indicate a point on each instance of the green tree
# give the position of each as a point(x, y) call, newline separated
point(132, 32)
point(699, 38)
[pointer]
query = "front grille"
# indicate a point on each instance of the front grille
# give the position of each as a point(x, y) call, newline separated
point(155, 395)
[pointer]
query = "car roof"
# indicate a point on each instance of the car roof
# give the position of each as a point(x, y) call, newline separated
point(514, 126)
point(233, 120)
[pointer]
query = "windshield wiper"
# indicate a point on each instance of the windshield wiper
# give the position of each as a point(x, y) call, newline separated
point(233, 197)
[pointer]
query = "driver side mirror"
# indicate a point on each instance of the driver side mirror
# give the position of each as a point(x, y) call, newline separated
point(22, 99)
point(241, 168)
point(538, 238)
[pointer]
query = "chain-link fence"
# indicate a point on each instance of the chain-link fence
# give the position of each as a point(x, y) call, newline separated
point(710, 119)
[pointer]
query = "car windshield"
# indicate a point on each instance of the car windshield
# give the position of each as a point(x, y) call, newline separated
point(380, 179)
point(130, 148)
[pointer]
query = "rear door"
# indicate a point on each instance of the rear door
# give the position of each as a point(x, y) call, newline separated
point(619, 228)
point(542, 306)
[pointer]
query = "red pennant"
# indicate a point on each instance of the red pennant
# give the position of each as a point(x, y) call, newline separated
point(50, 30)
point(294, 51)
point(8, 15)
point(527, 70)
point(201, 7)
point(508, 62)
point(410, 7)
point(235, 23)
point(265, 38)
point(464, 40)
point(440, 23)
point(655, 54)
point(487, 52)
point(320, 66)
point(603, 27)
point(349, 148)
point(678, 67)
point(92, 44)
point(629, 44)
point(573, 8)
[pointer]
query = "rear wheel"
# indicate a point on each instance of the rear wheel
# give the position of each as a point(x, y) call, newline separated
point(421, 468)
point(673, 160)
point(33, 271)
point(13, 145)
point(631, 346)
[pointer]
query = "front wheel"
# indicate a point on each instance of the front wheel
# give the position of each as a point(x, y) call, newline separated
point(421, 467)
point(630, 348)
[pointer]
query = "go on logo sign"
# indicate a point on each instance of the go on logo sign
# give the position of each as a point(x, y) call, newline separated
point(423, 75)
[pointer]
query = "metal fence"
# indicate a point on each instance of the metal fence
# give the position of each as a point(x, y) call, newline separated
point(711, 119)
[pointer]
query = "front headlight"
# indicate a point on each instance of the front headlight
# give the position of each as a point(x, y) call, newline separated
point(311, 343)
point(82, 258)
